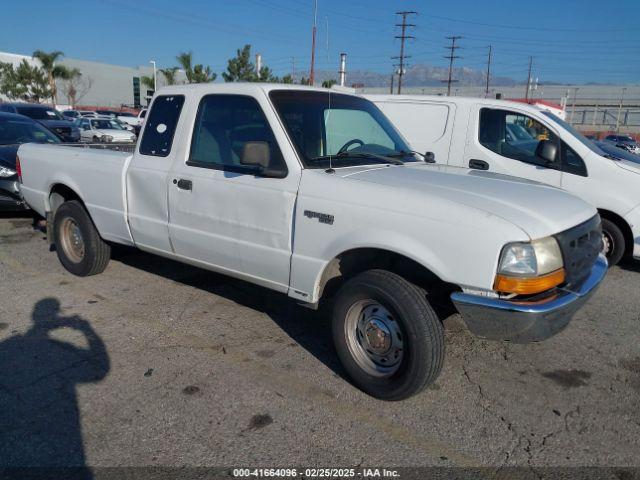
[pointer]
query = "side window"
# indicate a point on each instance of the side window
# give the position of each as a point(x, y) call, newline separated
point(224, 124)
point(571, 161)
point(360, 127)
point(513, 135)
point(161, 125)
point(85, 125)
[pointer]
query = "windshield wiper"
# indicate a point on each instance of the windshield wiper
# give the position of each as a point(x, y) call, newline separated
point(404, 153)
point(382, 158)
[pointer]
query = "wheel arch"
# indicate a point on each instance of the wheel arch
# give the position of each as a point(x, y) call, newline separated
point(351, 262)
point(59, 194)
point(623, 225)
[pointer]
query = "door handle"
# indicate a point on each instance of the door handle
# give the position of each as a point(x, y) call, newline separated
point(478, 164)
point(183, 184)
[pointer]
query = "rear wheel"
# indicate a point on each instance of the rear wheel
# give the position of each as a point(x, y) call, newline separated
point(613, 244)
point(78, 244)
point(388, 338)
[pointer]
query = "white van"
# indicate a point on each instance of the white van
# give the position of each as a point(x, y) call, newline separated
point(524, 141)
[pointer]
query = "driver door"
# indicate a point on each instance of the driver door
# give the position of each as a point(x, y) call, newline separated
point(505, 141)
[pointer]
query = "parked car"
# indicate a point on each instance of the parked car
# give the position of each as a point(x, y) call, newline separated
point(88, 113)
point(131, 119)
point(107, 113)
point(314, 194)
point(624, 141)
point(15, 130)
point(616, 153)
point(103, 129)
point(480, 134)
point(47, 116)
point(70, 114)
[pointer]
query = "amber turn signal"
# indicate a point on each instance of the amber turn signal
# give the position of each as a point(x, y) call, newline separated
point(528, 285)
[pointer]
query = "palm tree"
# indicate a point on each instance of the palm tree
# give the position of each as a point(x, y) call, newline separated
point(52, 70)
point(169, 75)
point(185, 59)
point(148, 82)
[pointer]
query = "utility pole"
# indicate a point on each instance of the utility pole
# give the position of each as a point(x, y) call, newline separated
point(391, 84)
point(155, 76)
point(486, 92)
point(293, 69)
point(624, 89)
point(573, 106)
point(258, 63)
point(403, 36)
point(313, 43)
point(526, 96)
point(452, 56)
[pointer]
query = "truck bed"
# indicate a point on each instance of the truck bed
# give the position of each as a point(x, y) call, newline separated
point(94, 174)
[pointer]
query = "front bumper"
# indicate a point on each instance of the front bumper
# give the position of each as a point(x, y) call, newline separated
point(10, 197)
point(527, 321)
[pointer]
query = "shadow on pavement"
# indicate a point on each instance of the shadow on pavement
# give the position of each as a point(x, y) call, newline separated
point(630, 265)
point(39, 416)
point(310, 329)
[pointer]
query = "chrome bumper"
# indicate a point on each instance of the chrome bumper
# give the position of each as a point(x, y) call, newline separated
point(527, 321)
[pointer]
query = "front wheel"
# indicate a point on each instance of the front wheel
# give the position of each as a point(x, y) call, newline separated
point(78, 244)
point(388, 338)
point(613, 244)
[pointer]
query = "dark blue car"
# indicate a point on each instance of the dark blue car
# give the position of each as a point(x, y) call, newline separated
point(47, 116)
point(15, 130)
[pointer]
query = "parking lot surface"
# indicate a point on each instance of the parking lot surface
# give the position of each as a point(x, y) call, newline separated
point(158, 363)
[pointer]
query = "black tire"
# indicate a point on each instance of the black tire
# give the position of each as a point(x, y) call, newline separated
point(95, 251)
point(614, 243)
point(96, 139)
point(420, 331)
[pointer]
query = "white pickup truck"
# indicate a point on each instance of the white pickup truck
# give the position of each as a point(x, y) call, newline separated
point(315, 194)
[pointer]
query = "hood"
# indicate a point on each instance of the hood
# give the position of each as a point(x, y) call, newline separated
point(8, 154)
point(629, 165)
point(539, 210)
point(115, 133)
point(57, 123)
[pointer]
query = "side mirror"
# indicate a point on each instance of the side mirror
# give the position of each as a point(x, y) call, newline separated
point(430, 157)
point(547, 150)
point(257, 154)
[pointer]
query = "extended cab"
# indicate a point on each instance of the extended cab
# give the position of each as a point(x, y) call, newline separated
point(527, 142)
point(315, 194)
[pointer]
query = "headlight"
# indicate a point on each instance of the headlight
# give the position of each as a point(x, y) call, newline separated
point(106, 138)
point(133, 138)
point(530, 268)
point(6, 172)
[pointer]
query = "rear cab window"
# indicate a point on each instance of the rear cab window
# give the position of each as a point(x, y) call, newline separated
point(161, 124)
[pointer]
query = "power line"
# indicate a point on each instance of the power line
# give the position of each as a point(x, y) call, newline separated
point(403, 36)
point(452, 56)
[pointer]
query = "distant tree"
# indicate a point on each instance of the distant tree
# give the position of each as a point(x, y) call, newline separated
point(240, 68)
point(52, 69)
point(169, 75)
point(329, 83)
point(76, 86)
point(304, 81)
point(24, 82)
point(287, 79)
point(148, 82)
point(195, 73)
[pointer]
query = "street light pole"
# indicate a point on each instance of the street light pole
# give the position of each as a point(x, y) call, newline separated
point(155, 85)
point(624, 89)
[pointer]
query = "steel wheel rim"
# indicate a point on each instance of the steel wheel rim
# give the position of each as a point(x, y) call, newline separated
point(374, 337)
point(608, 244)
point(72, 240)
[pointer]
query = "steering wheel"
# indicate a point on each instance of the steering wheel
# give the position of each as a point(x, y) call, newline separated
point(349, 143)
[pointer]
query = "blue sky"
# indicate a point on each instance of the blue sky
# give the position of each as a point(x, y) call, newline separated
point(570, 40)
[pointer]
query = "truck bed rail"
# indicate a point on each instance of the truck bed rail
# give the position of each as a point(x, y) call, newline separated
point(115, 146)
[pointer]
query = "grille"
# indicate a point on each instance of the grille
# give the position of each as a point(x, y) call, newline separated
point(580, 247)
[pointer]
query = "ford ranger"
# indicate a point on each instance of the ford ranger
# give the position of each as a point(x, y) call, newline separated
point(315, 194)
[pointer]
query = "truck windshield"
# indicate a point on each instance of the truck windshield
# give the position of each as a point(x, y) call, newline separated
point(592, 146)
point(332, 129)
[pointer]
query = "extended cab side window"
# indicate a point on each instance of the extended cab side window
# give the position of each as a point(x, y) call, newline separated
point(224, 124)
point(160, 127)
point(513, 135)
